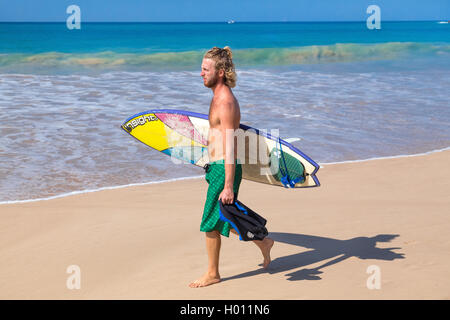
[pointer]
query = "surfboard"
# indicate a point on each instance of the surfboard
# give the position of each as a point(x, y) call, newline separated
point(265, 157)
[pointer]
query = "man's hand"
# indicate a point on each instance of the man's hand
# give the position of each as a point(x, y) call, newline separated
point(227, 196)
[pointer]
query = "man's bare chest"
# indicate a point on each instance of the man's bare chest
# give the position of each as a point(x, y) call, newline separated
point(214, 119)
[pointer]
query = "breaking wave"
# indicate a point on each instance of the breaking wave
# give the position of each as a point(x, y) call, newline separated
point(109, 60)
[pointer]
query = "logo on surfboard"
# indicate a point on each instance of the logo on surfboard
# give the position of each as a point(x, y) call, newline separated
point(139, 121)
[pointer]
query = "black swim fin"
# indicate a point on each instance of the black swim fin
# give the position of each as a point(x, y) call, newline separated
point(249, 224)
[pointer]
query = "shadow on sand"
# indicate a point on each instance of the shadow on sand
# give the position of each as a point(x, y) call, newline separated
point(322, 249)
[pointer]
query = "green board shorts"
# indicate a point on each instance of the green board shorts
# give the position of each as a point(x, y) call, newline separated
point(215, 176)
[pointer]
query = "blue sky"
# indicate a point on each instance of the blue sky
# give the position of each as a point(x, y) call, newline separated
point(212, 10)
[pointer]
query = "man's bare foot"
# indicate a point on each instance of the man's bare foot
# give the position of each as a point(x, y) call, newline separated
point(267, 244)
point(204, 281)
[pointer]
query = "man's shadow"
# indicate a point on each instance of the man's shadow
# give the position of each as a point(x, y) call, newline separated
point(323, 249)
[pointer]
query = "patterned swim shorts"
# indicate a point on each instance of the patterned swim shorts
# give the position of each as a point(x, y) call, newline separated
point(215, 176)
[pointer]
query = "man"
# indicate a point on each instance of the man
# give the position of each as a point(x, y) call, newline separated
point(224, 173)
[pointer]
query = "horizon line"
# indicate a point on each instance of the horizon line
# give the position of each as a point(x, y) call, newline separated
point(226, 21)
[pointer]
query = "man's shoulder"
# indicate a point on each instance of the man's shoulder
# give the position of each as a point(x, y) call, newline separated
point(226, 100)
point(227, 107)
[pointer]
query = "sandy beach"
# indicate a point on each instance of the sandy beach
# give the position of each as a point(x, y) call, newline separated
point(144, 242)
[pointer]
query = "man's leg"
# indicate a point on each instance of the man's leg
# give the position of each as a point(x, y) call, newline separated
point(213, 242)
point(264, 245)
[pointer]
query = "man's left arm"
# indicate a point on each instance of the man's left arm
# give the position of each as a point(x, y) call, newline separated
point(227, 131)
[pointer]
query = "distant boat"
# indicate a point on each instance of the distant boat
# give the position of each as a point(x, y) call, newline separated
point(231, 21)
point(442, 22)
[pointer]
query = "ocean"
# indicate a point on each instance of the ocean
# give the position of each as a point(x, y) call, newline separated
point(348, 92)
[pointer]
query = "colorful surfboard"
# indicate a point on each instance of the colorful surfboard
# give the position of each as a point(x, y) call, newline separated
point(183, 135)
